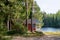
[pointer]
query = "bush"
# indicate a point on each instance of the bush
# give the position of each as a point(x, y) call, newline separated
point(3, 38)
point(3, 28)
point(17, 29)
point(39, 33)
point(13, 32)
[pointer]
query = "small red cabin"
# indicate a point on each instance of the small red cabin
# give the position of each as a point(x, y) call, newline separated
point(33, 26)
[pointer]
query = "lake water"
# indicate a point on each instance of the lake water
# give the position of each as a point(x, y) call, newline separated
point(50, 29)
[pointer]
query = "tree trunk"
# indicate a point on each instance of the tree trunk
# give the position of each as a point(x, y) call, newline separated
point(8, 23)
point(31, 16)
point(26, 5)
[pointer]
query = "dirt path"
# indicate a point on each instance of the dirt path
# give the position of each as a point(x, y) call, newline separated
point(37, 38)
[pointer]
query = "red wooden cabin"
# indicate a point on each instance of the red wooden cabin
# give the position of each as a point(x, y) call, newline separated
point(33, 27)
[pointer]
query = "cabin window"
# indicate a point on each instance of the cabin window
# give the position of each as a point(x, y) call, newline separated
point(33, 25)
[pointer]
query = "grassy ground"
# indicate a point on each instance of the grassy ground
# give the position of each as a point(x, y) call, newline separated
point(5, 37)
point(33, 34)
point(52, 33)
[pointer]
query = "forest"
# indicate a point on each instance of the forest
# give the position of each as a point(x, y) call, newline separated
point(14, 12)
point(52, 19)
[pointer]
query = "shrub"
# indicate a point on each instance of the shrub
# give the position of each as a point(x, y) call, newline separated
point(3, 38)
point(17, 29)
point(3, 28)
point(39, 33)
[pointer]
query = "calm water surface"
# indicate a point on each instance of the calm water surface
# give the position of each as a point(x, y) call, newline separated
point(50, 29)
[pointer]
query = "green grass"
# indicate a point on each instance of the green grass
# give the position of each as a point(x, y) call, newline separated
point(5, 37)
point(52, 33)
point(35, 34)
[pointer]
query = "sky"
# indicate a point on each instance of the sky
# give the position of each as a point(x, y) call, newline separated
point(49, 6)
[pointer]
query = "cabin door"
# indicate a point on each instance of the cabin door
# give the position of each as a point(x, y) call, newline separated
point(29, 27)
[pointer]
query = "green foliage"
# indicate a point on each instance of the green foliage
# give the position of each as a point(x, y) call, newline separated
point(39, 33)
point(3, 29)
point(4, 38)
point(34, 34)
point(13, 13)
point(37, 14)
point(17, 29)
point(52, 20)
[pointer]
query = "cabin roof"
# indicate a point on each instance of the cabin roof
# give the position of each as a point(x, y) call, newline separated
point(34, 21)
